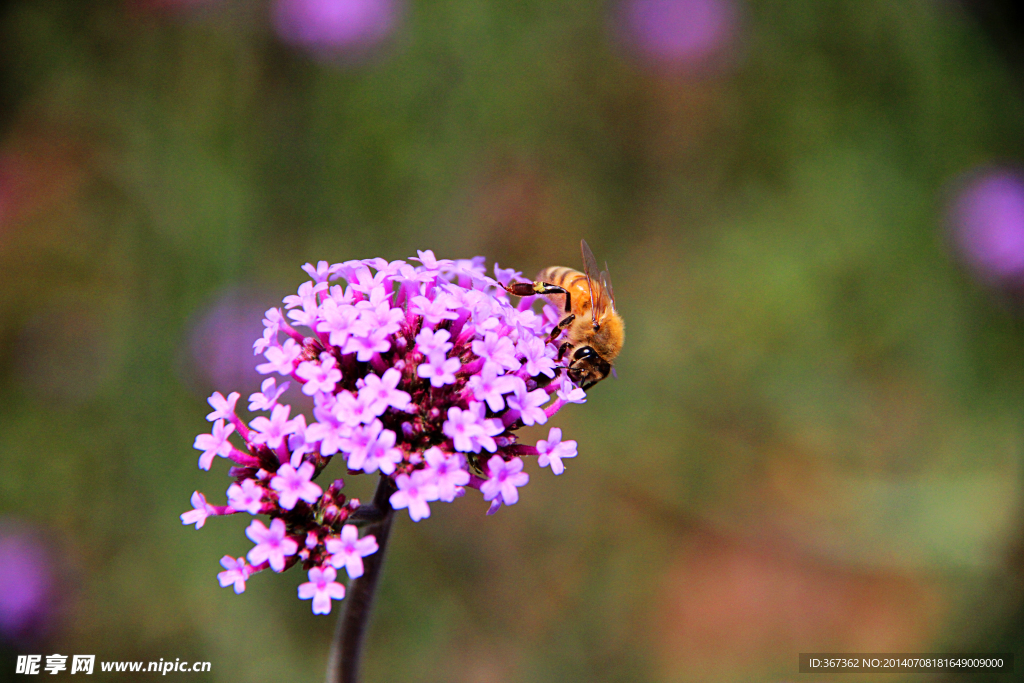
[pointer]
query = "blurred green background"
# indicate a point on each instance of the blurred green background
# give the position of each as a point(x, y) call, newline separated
point(815, 439)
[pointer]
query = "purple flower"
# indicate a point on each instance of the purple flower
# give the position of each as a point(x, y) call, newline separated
point(294, 484)
point(439, 370)
point(461, 427)
point(223, 408)
point(320, 272)
point(366, 282)
point(354, 409)
point(529, 405)
point(434, 311)
point(488, 429)
point(553, 449)
point(471, 271)
point(370, 448)
point(268, 339)
point(686, 34)
point(504, 479)
point(365, 345)
point(236, 572)
point(429, 342)
point(538, 357)
point(219, 340)
point(307, 317)
point(447, 471)
point(383, 317)
point(306, 295)
point(244, 497)
point(28, 596)
point(340, 321)
point(415, 277)
point(273, 321)
point(329, 429)
point(987, 217)
point(199, 512)
point(414, 492)
point(570, 393)
point(429, 261)
point(298, 443)
point(379, 393)
point(266, 398)
point(506, 275)
point(280, 359)
point(498, 350)
point(322, 588)
point(214, 444)
point(272, 545)
point(336, 26)
point(489, 386)
point(349, 550)
point(272, 431)
point(322, 376)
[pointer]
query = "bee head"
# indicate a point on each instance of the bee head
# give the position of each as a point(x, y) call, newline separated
point(587, 368)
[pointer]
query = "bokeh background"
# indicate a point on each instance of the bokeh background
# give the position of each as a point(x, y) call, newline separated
point(814, 218)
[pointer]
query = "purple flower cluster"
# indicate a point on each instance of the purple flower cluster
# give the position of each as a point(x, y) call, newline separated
point(419, 373)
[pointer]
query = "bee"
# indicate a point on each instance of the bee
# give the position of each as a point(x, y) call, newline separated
point(594, 332)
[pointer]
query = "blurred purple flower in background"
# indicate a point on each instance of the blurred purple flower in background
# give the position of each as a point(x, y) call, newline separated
point(336, 27)
point(688, 35)
point(27, 601)
point(219, 349)
point(987, 221)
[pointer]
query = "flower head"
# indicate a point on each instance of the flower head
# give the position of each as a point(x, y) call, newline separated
point(421, 373)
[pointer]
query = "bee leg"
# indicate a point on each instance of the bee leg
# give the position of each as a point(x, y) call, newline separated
point(562, 349)
point(531, 288)
point(562, 324)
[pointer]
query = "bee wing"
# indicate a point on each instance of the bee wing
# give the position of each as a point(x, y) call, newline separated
point(590, 269)
point(606, 284)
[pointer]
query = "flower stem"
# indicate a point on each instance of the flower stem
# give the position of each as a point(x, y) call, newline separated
point(343, 661)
